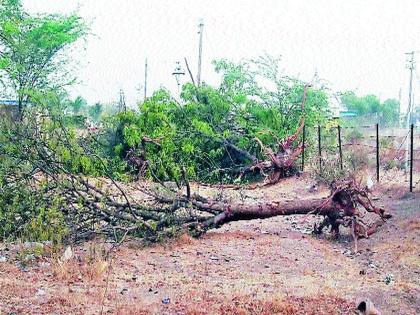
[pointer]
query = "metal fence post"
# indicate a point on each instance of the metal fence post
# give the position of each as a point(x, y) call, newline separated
point(319, 149)
point(303, 147)
point(377, 152)
point(411, 156)
point(339, 147)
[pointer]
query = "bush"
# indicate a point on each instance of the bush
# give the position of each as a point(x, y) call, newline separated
point(77, 121)
point(28, 217)
point(391, 164)
point(205, 135)
point(356, 159)
point(354, 136)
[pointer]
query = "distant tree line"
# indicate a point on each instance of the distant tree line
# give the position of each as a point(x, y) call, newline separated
point(370, 107)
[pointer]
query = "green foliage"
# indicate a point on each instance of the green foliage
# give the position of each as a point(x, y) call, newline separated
point(199, 133)
point(47, 224)
point(28, 216)
point(331, 170)
point(30, 210)
point(33, 49)
point(354, 136)
point(95, 112)
point(386, 113)
point(390, 164)
point(78, 121)
point(40, 158)
point(78, 104)
point(390, 112)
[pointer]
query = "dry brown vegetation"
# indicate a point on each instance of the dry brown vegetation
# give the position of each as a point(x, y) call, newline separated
point(272, 266)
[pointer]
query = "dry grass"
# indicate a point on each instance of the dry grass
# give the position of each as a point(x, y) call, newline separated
point(249, 305)
point(253, 267)
point(73, 271)
point(131, 309)
point(90, 267)
point(183, 240)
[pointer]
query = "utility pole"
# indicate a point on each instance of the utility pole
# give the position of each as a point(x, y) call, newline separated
point(177, 73)
point(200, 51)
point(145, 79)
point(410, 66)
point(399, 108)
point(122, 107)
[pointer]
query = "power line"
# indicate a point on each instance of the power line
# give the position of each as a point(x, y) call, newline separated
point(122, 107)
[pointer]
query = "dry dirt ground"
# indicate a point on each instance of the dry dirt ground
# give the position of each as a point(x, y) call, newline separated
point(272, 266)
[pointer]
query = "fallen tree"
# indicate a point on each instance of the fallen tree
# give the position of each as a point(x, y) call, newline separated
point(160, 216)
point(280, 164)
point(274, 163)
point(50, 165)
point(346, 206)
point(241, 131)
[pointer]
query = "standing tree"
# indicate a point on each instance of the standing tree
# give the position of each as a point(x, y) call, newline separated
point(390, 112)
point(386, 113)
point(33, 50)
point(95, 111)
point(78, 104)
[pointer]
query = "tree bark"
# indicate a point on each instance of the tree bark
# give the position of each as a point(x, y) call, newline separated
point(238, 212)
point(342, 208)
point(242, 211)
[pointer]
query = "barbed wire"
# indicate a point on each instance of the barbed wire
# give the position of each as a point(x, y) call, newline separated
point(380, 147)
point(358, 127)
point(392, 151)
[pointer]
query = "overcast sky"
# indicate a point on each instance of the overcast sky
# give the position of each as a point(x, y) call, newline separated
point(353, 44)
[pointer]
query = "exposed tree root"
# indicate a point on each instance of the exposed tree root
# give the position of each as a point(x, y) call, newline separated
point(91, 207)
point(349, 201)
point(280, 163)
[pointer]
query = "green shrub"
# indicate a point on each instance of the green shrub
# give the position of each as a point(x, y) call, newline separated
point(28, 216)
point(76, 121)
point(391, 164)
point(193, 136)
point(354, 136)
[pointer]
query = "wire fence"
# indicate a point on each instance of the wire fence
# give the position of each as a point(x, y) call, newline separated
point(380, 150)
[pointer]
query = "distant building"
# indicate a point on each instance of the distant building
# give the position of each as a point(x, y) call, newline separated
point(8, 103)
point(9, 108)
point(338, 109)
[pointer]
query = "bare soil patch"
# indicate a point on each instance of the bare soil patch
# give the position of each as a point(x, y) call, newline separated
point(272, 266)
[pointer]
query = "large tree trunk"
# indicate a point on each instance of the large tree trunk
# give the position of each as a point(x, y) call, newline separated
point(344, 207)
point(242, 211)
